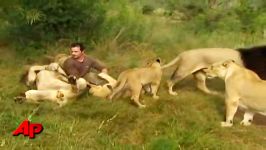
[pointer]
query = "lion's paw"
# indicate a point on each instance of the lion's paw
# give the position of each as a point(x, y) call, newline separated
point(245, 123)
point(155, 97)
point(226, 124)
point(142, 106)
point(173, 93)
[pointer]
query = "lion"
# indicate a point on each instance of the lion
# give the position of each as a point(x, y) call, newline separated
point(103, 91)
point(61, 97)
point(193, 61)
point(52, 77)
point(244, 89)
point(60, 59)
point(35, 69)
point(35, 96)
point(134, 80)
point(50, 88)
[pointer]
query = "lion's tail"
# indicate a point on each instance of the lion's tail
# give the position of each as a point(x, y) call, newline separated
point(120, 85)
point(174, 61)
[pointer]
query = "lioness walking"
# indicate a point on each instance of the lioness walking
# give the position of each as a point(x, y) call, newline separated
point(135, 79)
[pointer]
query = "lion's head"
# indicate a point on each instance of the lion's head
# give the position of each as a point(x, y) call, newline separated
point(218, 69)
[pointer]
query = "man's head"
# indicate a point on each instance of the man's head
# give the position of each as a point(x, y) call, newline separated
point(77, 50)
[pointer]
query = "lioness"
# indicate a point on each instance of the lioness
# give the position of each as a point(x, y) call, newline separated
point(52, 89)
point(243, 87)
point(193, 61)
point(52, 77)
point(135, 79)
point(35, 96)
point(102, 90)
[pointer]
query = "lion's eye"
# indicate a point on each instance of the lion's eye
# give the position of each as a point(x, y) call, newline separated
point(224, 64)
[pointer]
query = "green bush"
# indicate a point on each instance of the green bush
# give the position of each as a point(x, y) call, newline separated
point(41, 22)
point(147, 9)
point(49, 20)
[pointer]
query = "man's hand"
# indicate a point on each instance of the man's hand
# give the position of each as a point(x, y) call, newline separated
point(72, 79)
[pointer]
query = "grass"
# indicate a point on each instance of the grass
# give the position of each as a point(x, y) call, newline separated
point(190, 120)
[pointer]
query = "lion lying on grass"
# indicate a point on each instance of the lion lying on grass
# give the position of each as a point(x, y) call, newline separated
point(52, 84)
point(96, 90)
point(244, 88)
point(105, 90)
point(134, 80)
point(193, 61)
point(60, 96)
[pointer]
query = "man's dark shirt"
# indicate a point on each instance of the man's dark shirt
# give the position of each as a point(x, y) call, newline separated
point(79, 69)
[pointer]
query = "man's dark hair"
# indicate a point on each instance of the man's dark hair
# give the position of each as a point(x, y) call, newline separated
point(77, 44)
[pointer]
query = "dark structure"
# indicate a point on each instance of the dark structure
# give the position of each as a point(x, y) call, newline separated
point(254, 58)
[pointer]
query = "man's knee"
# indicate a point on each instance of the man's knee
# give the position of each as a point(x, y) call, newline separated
point(93, 78)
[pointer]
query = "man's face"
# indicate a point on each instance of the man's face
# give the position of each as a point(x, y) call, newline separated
point(76, 52)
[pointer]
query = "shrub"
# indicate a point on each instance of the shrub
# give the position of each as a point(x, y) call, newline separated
point(49, 20)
